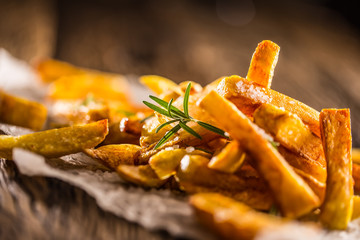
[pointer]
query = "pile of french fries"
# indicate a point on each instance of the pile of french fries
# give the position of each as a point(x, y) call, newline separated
point(282, 160)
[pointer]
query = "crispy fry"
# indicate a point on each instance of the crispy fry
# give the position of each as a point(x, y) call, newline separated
point(293, 195)
point(229, 159)
point(115, 155)
point(13, 109)
point(101, 86)
point(141, 175)
point(229, 218)
point(56, 142)
point(159, 85)
point(248, 96)
point(293, 134)
point(337, 208)
point(263, 63)
point(194, 176)
point(356, 176)
point(356, 207)
point(51, 69)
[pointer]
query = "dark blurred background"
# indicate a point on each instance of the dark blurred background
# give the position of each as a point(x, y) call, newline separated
point(198, 40)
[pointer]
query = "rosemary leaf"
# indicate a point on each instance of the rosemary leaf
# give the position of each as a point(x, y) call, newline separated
point(165, 124)
point(189, 130)
point(212, 128)
point(167, 136)
point(169, 108)
point(156, 108)
point(164, 104)
point(186, 100)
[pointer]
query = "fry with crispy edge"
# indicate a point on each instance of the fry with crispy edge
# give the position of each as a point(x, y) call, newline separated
point(293, 134)
point(229, 218)
point(13, 109)
point(263, 63)
point(335, 128)
point(229, 159)
point(248, 96)
point(293, 195)
point(56, 142)
point(116, 154)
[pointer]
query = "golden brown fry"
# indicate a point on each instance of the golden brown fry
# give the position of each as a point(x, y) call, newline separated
point(131, 125)
point(165, 162)
point(159, 85)
point(248, 96)
point(21, 112)
point(356, 207)
point(356, 177)
point(141, 175)
point(101, 86)
point(293, 195)
point(115, 155)
point(56, 142)
point(263, 63)
point(115, 136)
point(194, 176)
point(51, 69)
point(229, 159)
point(337, 208)
point(293, 134)
point(229, 218)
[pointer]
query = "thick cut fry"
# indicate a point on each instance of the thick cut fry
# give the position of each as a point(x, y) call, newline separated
point(229, 218)
point(293, 134)
point(194, 176)
point(229, 159)
point(101, 86)
point(263, 63)
point(356, 207)
point(115, 155)
point(51, 69)
point(141, 175)
point(293, 195)
point(335, 129)
point(115, 136)
point(21, 112)
point(160, 85)
point(248, 96)
point(56, 142)
point(356, 176)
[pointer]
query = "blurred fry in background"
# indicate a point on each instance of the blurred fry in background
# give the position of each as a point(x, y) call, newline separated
point(198, 40)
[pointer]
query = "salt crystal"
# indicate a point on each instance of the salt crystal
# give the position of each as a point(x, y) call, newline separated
point(190, 149)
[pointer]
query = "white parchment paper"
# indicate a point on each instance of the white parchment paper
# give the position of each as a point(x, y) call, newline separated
point(153, 209)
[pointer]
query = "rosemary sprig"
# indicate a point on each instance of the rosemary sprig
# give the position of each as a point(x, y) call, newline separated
point(181, 117)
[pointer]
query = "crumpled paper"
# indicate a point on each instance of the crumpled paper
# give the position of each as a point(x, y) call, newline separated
point(153, 209)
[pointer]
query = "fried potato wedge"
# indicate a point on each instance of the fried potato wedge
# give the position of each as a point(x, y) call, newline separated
point(101, 86)
point(115, 155)
point(51, 69)
point(248, 96)
point(263, 63)
point(229, 159)
point(142, 175)
point(194, 176)
point(293, 195)
point(56, 142)
point(160, 85)
point(13, 109)
point(335, 128)
point(356, 207)
point(356, 176)
point(116, 136)
point(229, 218)
point(292, 133)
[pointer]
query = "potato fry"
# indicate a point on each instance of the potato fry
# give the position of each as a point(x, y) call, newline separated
point(248, 96)
point(101, 86)
point(56, 142)
point(356, 207)
point(315, 185)
point(13, 109)
point(293, 195)
point(160, 85)
point(263, 63)
point(356, 177)
point(356, 155)
point(141, 175)
point(229, 159)
point(337, 208)
point(293, 134)
point(229, 218)
point(115, 155)
point(194, 176)
point(51, 69)
point(115, 136)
